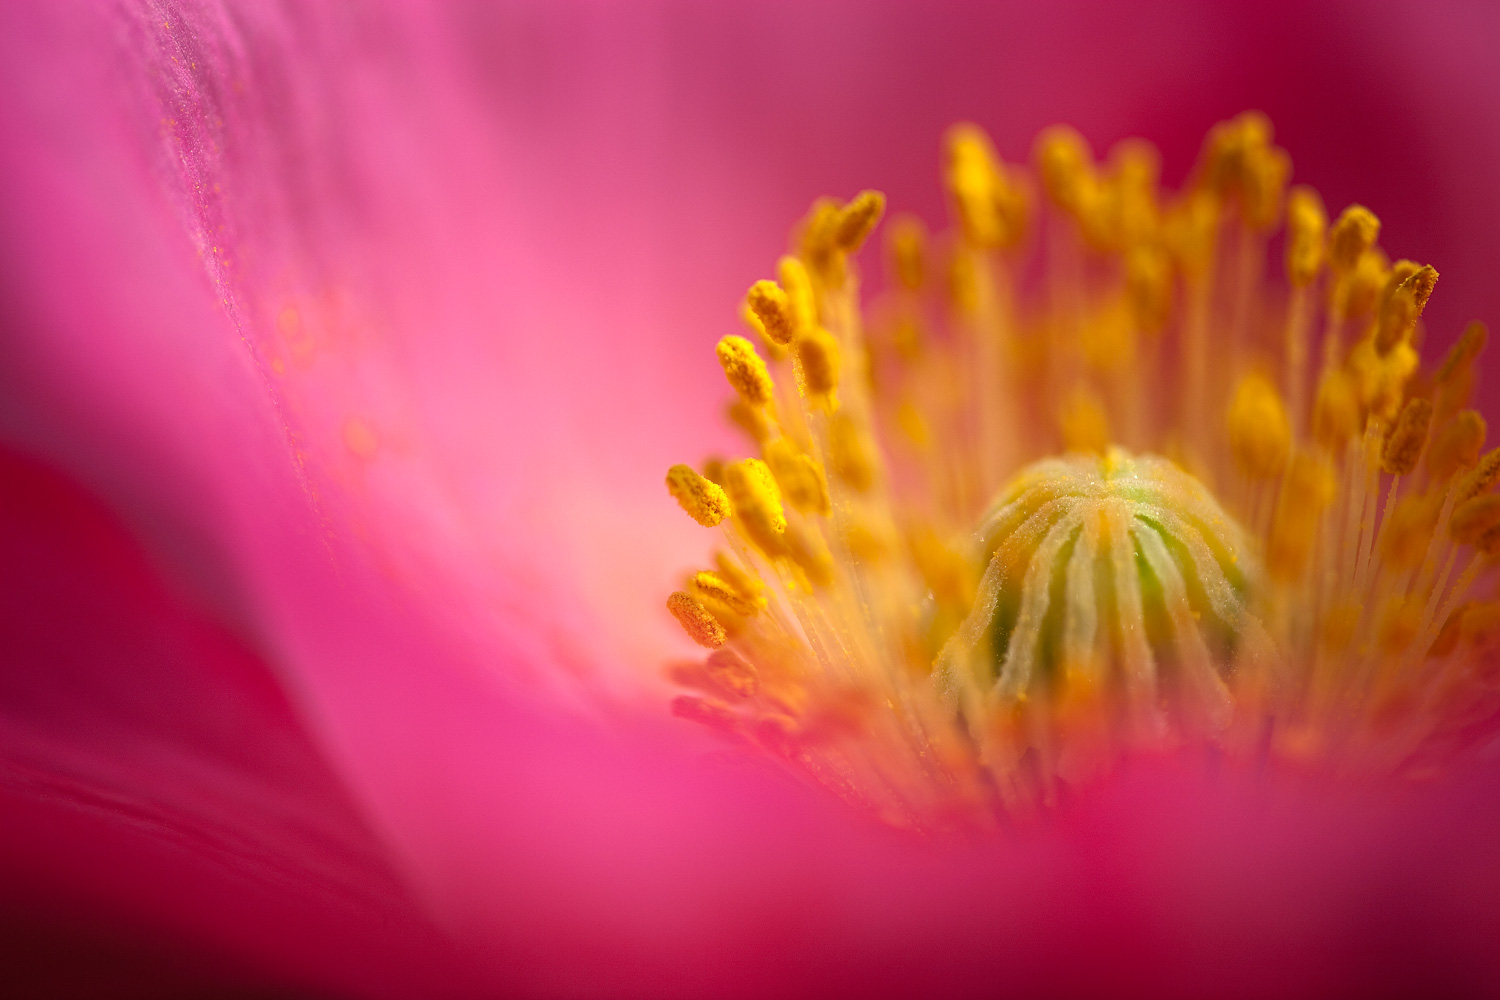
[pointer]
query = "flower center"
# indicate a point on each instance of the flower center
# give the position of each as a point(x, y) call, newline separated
point(947, 589)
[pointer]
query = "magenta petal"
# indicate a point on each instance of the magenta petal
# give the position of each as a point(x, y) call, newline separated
point(168, 823)
point(504, 263)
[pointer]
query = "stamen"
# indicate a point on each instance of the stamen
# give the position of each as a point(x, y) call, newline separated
point(772, 308)
point(949, 592)
point(695, 620)
point(745, 370)
point(703, 500)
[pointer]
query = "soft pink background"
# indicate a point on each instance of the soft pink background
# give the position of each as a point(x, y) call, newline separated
point(275, 711)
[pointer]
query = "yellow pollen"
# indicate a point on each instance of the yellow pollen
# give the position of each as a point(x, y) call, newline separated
point(695, 620)
point(1456, 446)
point(745, 583)
point(1085, 425)
point(703, 500)
point(1470, 345)
point(774, 350)
point(849, 453)
point(1480, 478)
point(773, 309)
point(1307, 227)
point(745, 370)
point(712, 586)
point(1474, 517)
point(1259, 434)
point(1403, 446)
point(811, 555)
point(752, 490)
point(1353, 233)
point(753, 420)
point(818, 355)
point(1399, 313)
point(799, 476)
point(988, 210)
point(906, 244)
point(1149, 280)
point(1067, 167)
point(857, 220)
point(802, 305)
point(1093, 474)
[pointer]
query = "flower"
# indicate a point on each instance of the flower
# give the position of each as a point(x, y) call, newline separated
point(949, 590)
point(486, 247)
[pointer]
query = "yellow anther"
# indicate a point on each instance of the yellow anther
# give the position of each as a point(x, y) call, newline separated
point(1453, 384)
point(857, 220)
point(1084, 424)
point(1470, 343)
point(1307, 489)
point(753, 420)
point(1259, 434)
point(1354, 232)
point(1404, 444)
point(1136, 167)
point(1066, 165)
point(1405, 537)
point(987, 209)
point(732, 674)
point(1148, 275)
point(799, 476)
point(704, 501)
point(1402, 307)
point(1336, 410)
point(745, 370)
point(757, 501)
point(1362, 287)
point(810, 553)
point(1190, 229)
point(946, 572)
point(1399, 623)
point(963, 282)
point(708, 586)
point(1456, 446)
point(906, 250)
point(849, 453)
point(713, 470)
point(1381, 379)
point(1306, 231)
point(1474, 518)
point(866, 543)
point(1339, 624)
point(773, 350)
point(1266, 172)
point(908, 338)
point(702, 627)
point(1229, 149)
point(802, 303)
point(913, 426)
point(819, 250)
point(1480, 478)
point(774, 311)
point(818, 356)
point(747, 584)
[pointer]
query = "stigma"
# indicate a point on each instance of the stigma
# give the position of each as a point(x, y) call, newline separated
point(1090, 476)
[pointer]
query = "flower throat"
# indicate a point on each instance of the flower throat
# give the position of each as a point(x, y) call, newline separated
point(1090, 478)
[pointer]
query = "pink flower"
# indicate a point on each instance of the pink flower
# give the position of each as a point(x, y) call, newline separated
point(343, 353)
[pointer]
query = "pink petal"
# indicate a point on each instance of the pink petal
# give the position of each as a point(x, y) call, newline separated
point(506, 241)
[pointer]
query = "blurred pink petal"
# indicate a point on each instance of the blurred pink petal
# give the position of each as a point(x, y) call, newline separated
point(378, 325)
